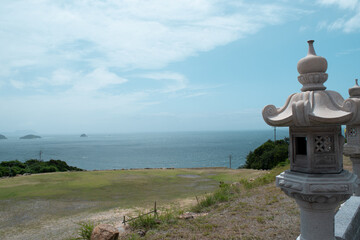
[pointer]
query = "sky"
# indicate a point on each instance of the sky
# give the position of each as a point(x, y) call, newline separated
point(113, 66)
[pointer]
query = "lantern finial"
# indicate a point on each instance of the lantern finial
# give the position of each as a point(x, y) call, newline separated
point(312, 70)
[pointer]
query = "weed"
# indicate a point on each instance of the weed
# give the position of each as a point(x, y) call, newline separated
point(84, 231)
point(144, 222)
point(152, 221)
point(222, 194)
point(133, 236)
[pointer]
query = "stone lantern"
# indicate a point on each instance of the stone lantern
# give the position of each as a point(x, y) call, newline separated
point(352, 147)
point(316, 179)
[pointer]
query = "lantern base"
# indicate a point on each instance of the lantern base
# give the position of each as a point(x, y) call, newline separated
point(318, 196)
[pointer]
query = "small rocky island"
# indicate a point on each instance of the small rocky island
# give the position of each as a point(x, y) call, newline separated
point(2, 137)
point(30, 136)
point(83, 135)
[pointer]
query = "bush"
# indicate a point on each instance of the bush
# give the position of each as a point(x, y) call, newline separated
point(46, 169)
point(5, 171)
point(11, 164)
point(268, 155)
point(12, 168)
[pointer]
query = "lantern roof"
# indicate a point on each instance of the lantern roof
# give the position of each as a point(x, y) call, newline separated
point(353, 104)
point(313, 106)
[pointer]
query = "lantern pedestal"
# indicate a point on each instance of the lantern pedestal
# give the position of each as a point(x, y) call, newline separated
point(352, 149)
point(318, 196)
point(317, 220)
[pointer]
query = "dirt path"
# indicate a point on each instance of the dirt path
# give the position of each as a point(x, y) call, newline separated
point(64, 227)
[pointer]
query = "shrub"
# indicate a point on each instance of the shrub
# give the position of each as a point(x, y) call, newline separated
point(268, 155)
point(14, 163)
point(46, 169)
point(4, 171)
point(11, 168)
point(84, 231)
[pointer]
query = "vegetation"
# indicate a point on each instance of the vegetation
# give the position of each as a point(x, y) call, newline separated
point(152, 221)
point(222, 194)
point(12, 168)
point(268, 155)
point(267, 178)
point(84, 231)
point(68, 195)
point(154, 228)
point(226, 192)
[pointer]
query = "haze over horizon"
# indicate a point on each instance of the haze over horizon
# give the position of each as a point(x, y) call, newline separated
point(154, 66)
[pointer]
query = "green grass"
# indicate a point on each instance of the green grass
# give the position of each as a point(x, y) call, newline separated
point(225, 191)
point(266, 178)
point(125, 188)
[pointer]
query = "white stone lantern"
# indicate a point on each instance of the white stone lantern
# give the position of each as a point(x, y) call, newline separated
point(316, 179)
point(352, 147)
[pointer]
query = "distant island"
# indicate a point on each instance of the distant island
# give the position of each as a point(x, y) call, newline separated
point(30, 136)
point(83, 135)
point(2, 137)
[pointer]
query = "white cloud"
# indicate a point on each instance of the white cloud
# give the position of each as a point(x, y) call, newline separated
point(344, 4)
point(353, 24)
point(125, 34)
point(173, 81)
point(345, 23)
point(75, 82)
point(68, 55)
point(96, 80)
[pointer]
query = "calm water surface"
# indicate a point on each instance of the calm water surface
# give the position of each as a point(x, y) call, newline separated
point(141, 150)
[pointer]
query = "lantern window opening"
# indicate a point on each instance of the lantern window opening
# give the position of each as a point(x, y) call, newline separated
point(352, 132)
point(300, 145)
point(324, 144)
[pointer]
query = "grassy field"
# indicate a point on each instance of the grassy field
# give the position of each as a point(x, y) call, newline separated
point(126, 188)
point(28, 201)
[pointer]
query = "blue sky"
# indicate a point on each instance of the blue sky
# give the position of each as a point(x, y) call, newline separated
point(105, 66)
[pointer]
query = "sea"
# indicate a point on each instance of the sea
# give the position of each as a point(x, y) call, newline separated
point(141, 150)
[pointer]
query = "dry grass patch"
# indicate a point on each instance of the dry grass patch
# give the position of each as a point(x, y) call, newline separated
point(256, 210)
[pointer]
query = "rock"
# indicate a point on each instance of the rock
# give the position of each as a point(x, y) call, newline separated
point(83, 135)
point(2, 136)
point(104, 232)
point(30, 136)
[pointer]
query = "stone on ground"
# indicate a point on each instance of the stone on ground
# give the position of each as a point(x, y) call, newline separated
point(104, 232)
